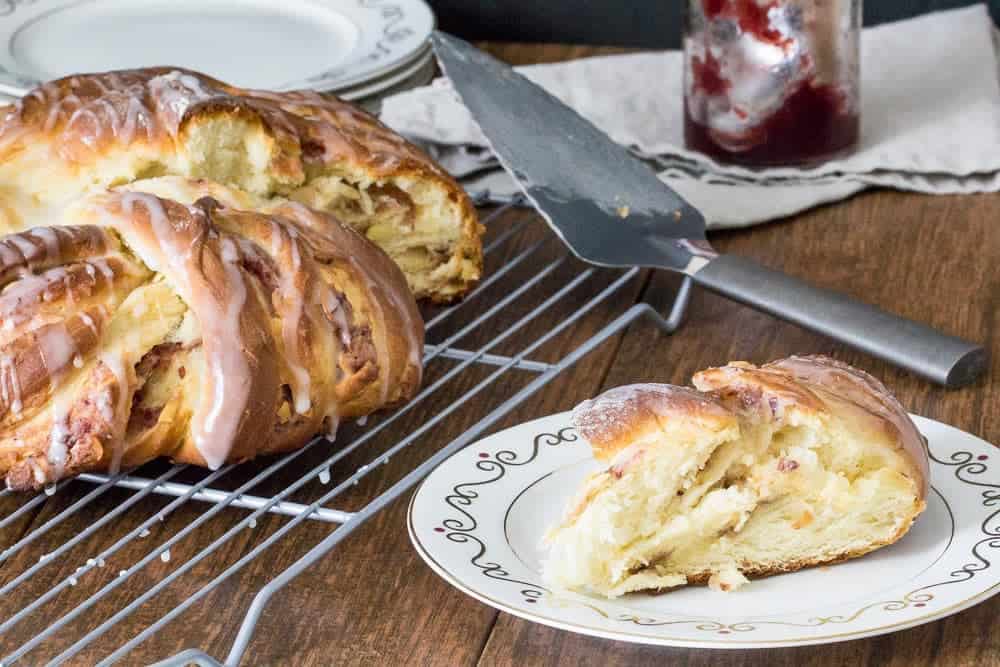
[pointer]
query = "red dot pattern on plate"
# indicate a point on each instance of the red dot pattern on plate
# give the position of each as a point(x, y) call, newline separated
point(439, 529)
point(484, 455)
point(982, 457)
point(723, 632)
point(920, 604)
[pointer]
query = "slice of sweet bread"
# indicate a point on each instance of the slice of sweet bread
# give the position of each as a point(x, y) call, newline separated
point(799, 462)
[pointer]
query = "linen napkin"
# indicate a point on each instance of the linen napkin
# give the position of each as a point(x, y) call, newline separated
point(930, 122)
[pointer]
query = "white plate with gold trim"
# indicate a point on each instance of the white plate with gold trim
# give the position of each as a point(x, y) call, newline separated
point(478, 520)
point(320, 44)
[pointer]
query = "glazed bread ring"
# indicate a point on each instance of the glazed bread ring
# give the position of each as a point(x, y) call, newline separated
point(92, 131)
point(138, 327)
point(799, 462)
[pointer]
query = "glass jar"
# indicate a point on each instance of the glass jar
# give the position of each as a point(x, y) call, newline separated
point(772, 82)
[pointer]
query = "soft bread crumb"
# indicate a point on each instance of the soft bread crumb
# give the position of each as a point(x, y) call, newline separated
point(727, 579)
point(766, 473)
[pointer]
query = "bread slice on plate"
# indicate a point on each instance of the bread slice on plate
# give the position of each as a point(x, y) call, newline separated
point(760, 470)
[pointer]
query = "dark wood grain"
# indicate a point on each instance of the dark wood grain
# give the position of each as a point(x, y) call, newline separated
point(372, 601)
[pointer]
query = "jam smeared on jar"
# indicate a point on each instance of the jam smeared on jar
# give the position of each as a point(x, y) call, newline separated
point(707, 77)
point(713, 8)
point(771, 82)
point(751, 16)
point(812, 123)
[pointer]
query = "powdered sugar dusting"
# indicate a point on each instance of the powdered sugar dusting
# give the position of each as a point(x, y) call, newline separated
point(618, 410)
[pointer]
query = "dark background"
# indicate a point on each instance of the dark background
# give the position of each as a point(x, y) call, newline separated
point(641, 23)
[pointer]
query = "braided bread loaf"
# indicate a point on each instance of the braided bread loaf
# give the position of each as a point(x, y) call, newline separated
point(139, 326)
point(103, 130)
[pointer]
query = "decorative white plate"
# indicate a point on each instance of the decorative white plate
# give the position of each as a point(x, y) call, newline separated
point(319, 44)
point(478, 520)
point(417, 69)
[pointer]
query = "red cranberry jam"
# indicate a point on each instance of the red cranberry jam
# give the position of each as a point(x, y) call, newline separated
point(771, 82)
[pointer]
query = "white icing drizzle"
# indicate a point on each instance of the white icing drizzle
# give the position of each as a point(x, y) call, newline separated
point(50, 238)
point(98, 126)
point(136, 114)
point(277, 238)
point(373, 286)
point(58, 351)
point(67, 287)
point(56, 110)
point(57, 348)
point(59, 274)
point(89, 322)
point(230, 372)
point(29, 251)
point(333, 421)
point(122, 107)
point(217, 418)
point(334, 308)
point(321, 300)
point(292, 303)
point(39, 474)
point(118, 365)
point(16, 300)
point(8, 255)
point(10, 384)
point(41, 93)
point(103, 266)
point(58, 451)
point(175, 92)
point(109, 110)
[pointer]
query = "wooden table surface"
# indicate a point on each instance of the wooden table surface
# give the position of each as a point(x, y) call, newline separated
point(373, 601)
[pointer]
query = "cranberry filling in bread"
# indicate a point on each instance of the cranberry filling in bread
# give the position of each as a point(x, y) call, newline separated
point(760, 470)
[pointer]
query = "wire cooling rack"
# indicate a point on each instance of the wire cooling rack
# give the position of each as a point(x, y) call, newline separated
point(53, 579)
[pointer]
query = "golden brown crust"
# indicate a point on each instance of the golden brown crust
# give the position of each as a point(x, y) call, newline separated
point(105, 129)
point(621, 416)
point(821, 385)
point(868, 393)
point(90, 114)
point(839, 424)
point(815, 385)
point(194, 331)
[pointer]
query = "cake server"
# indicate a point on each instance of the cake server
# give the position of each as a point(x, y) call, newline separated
point(612, 210)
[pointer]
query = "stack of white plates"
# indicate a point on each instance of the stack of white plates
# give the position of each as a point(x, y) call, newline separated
point(358, 49)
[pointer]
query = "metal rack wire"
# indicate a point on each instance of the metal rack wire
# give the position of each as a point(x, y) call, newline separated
point(226, 492)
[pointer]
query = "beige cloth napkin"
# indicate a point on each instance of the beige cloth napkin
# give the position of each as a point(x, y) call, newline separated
point(930, 122)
